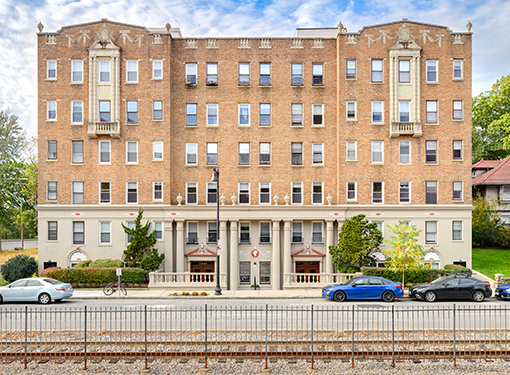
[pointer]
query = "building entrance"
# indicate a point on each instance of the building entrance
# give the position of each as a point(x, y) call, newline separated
point(199, 268)
point(307, 268)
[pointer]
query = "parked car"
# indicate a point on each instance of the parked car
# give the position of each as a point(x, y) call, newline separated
point(41, 289)
point(503, 291)
point(452, 287)
point(366, 287)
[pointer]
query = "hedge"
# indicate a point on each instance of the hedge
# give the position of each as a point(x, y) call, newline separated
point(95, 275)
point(412, 277)
point(100, 263)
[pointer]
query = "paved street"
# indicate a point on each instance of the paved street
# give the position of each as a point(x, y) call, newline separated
point(11, 244)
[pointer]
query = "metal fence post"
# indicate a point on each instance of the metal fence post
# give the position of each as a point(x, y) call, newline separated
point(85, 334)
point(454, 340)
point(205, 368)
point(352, 347)
point(145, 328)
point(266, 369)
point(393, 335)
point(26, 333)
point(312, 369)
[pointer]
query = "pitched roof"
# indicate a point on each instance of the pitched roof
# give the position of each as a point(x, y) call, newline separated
point(486, 164)
point(499, 175)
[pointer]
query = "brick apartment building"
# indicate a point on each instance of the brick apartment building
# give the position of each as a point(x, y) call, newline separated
point(306, 131)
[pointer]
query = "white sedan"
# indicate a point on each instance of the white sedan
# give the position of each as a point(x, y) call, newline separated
point(41, 289)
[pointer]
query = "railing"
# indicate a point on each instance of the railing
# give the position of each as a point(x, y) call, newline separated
point(316, 280)
point(103, 128)
point(194, 280)
point(357, 332)
point(406, 128)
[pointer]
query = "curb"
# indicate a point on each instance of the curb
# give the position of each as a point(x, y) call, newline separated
point(194, 297)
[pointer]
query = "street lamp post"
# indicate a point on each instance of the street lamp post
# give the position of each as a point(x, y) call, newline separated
point(216, 178)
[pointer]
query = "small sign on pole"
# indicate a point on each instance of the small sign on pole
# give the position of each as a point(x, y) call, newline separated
point(119, 271)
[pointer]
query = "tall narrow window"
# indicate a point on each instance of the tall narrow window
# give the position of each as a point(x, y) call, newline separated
point(76, 71)
point(297, 75)
point(78, 232)
point(157, 190)
point(77, 151)
point(317, 193)
point(105, 232)
point(130, 225)
point(457, 190)
point(317, 74)
point(457, 230)
point(431, 232)
point(191, 154)
point(212, 153)
point(377, 112)
point(431, 111)
point(77, 192)
point(377, 151)
point(244, 273)
point(431, 192)
point(297, 114)
point(212, 193)
point(132, 71)
point(244, 74)
point(212, 74)
point(131, 152)
point(404, 155)
point(244, 153)
point(212, 232)
point(351, 110)
point(404, 192)
point(191, 114)
point(52, 190)
point(212, 114)
point(157, 110)
point(317, 153)
point(351, 69)
point(264, 153)
point(404, 110)
point(431, 70)
point(104, 111)
point(51, 69)
point(351, 150)
point(297, 232)
point(192, 237)
point(104, 71)
point(264, 192)
point(457, 109)
point(377, 192)
point(52, 150)
point(191, 74)
point(265, 232)
point(377, 70)
point(132, 192)
point(404, 70)
point(104, 152)
point(297, 193)
point(104, 192)
point(244, 114)
point(351, 190)
point(191, 193)
point(265, 75)
point(158, 230)
point(265, 114)
point(296, 153)
point(52, 231)
point(457, 150)
point(51, 110)
point(244, 193)
point(77, 112)
point(157, 150)
point(132, 111)
point(318, 114)
point(457, 69)
point(431, 152)
point(157, 69)
point(317, 236)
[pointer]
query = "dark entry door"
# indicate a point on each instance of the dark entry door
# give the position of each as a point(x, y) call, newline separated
point(308, 268)
point(202, 267)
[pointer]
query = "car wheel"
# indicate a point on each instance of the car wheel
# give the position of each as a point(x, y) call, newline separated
point(339, 296)
point(44, 299)
point(430, 296)
point(478, 296)
point(1, 299)
point(388, 296)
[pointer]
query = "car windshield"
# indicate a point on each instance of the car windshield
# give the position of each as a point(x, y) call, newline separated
point(440, 280)
point(349, 282)
point(52, 281)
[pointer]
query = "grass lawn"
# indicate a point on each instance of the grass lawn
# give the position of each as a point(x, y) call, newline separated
point(7, 254)
point(491, 261)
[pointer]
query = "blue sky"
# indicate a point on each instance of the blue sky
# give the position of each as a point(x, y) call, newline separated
point(278, 18)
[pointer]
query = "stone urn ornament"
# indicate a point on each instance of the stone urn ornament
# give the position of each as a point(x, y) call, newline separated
point(276, 199)
point(234, 199)
point(179, 199)
point(222, 199)
point(287, 199)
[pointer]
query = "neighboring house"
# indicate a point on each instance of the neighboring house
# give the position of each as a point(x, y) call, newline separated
point(306, 131)
point(491, 179)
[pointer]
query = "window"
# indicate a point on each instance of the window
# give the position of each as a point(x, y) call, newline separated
point(52, 231)
point(104, 152)
point(264, 153)
point(264, 192)
point(317, 232)
point(351, 190)
point(265, 114)
point(104, 111)
point(297, 114)
point(404, 109)
point(244, 193)
point(317, 153)
point(51, 110)
point(52, 190)
point(351, 110)
point(377, 70)
point(132, 192)
point(244, 153)
point(212, 74)
point(157, 150)
point(191, 114)
point(380, 226)
point(317, 74)
point(265, 75)
point(244, 74)
point(51, 150)
point(431, 152)
point(265, 232)
point(244, 273)
point(212, 193)
point(76, 71)
point(377, 151)
point(192, 237)
point(244, 114)
point(404, 70)
point(157, 110)
point(158, 227)
point(351, 69)
point(132, 71)
point(404, 156)
point(432, 71)
point(297, 75)
point(51, 69)
point(377, 192)
point(431, 232)
point(104, 193)
point(457, 230)
point(457, 150)
point(191, 154)
point(78, 232)
point(318, 114)
point(77, 147)
point(191, 193)
point(377, 112)
point(157, 69)
point(104, 232)
point(191, 74)
point(297, 193)
point(132, 152)
point(317, 192)
point(132, 111)
point(351, 150)
point(212, 232)
point(212, 114)
point(77, 192)
point(457, 190)
point(77, 108)
point(404, 192)
point(457, 109)
point(431, 192)
point(157, 190)
point(431, 111)
point(296, 153)
point(130, 225)
point(212, 153)
point(244, 233)
point(457, 69)
point(104, 71)
point(297, 232)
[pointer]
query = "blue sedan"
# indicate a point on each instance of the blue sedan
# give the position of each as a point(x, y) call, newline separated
point(503, 291)
point(366, 287)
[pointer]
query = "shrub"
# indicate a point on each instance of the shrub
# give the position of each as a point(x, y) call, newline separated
point(18, 267)
point(185, 293)
point(204, 294)
point(83, 264)
point(104, 263)
point(419, 276)
point(457, 268)
point(94, 275)
point(194, 294)
point(174, 294)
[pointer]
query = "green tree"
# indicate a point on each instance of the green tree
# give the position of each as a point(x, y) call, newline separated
point(18, 267)
point(486, 222)
point(491, 122)
point(357, 240)
point(403, 251)
point(140, 251)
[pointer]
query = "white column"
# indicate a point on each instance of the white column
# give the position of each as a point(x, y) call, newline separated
point(329, 267)
point(169, 246)
point(224, 241)
point(234, 261)
point(275, 257)
point(179, 248)
point(287, 256)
